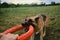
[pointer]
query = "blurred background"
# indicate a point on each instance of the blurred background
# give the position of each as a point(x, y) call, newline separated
point(13, 12)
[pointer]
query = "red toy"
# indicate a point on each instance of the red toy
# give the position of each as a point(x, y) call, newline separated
point(24, 36)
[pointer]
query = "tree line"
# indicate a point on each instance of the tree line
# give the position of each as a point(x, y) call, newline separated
point(7, 5)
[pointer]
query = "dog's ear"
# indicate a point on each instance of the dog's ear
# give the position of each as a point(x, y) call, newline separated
point(26, 18)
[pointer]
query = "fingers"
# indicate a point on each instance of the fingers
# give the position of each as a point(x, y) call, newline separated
point(1, 34)
point(12, 36)
point(9, 37)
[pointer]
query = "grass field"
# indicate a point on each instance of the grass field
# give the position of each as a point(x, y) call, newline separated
point(14, 16)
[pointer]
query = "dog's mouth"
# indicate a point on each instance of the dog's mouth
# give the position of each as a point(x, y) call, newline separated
point(26, 24)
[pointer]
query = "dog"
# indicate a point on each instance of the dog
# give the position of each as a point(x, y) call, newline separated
point(39, 23)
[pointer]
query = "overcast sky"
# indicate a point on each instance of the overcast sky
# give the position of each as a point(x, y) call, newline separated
point(28, 1)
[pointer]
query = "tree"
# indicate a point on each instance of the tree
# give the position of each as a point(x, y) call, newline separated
point(52, 3)
point(17, 5)
point(34, 4)
point(5, 5)
point(0, 1)
point(12, 5)
point(43, 4)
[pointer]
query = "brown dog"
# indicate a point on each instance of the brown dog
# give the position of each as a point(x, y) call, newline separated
point(38, 22)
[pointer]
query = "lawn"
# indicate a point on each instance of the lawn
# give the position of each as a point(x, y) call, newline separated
point(10, 17)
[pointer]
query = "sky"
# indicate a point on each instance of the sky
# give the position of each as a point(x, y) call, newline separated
point(29, 1)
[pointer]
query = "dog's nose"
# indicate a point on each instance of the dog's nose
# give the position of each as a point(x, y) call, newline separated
point(25, 24)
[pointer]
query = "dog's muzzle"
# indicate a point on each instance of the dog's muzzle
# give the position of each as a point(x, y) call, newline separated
point(26, 24)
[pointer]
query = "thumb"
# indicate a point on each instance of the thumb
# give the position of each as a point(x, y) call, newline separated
point(1, 34)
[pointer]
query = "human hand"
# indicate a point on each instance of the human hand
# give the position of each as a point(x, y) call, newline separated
point(8, 36)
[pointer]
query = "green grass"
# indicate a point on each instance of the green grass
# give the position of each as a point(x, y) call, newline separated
point(14, 16)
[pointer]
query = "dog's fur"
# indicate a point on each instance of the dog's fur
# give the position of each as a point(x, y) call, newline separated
point(39, 23)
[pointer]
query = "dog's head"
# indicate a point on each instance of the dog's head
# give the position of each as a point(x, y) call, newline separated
point(35, 20)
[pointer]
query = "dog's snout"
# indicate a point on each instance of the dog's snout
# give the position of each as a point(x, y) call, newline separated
point(25, 24)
